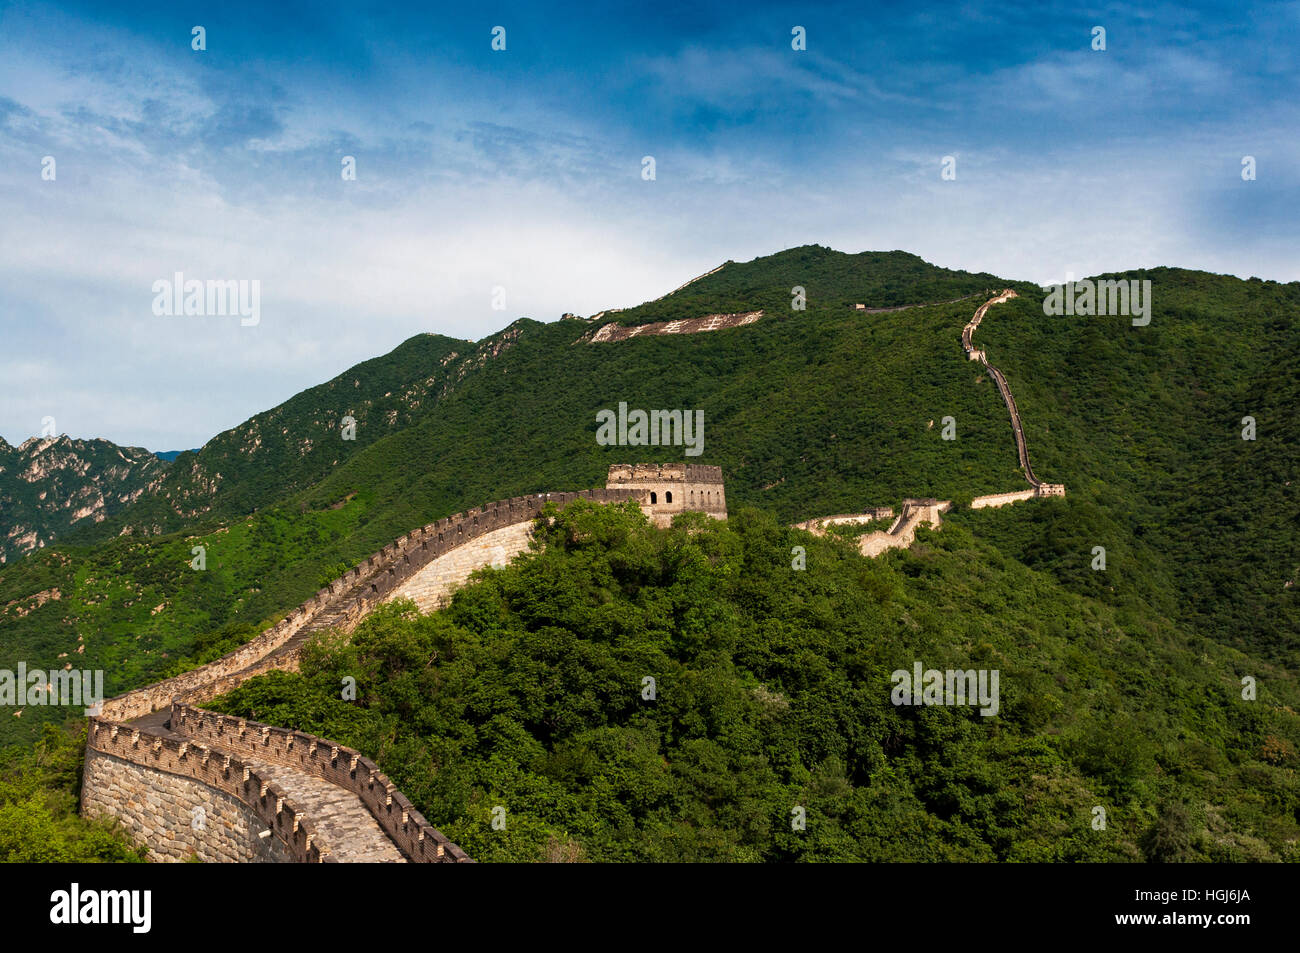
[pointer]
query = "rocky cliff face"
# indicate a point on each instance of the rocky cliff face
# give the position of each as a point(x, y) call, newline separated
point(50, 485)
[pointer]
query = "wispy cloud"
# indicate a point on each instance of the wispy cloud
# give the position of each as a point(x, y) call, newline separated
point(523, 169)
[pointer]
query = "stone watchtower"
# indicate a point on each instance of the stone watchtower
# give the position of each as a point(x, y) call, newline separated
point(672, 488)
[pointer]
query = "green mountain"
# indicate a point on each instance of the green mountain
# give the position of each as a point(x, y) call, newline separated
point(50, 486)
point(296, 444)
point(1145, 427)
point(830, 280)
point(1129, 677)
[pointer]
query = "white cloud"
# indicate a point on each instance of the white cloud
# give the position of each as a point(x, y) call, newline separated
point(546, 202)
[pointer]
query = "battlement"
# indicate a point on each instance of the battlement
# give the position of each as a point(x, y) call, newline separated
point(348, 769)
point(671, 488)
point(621, 474)
point(237, 765)
point(818, 526)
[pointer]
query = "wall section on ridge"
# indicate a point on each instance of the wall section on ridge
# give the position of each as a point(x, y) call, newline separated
point(151, 772)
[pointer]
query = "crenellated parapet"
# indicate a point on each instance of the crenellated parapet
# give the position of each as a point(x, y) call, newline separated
point(153, 755)
point(343, 603)
point(213, 769)
point(344, 767)
point(819, 526)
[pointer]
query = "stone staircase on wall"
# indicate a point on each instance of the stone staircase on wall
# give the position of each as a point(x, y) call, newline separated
point(1017, 429)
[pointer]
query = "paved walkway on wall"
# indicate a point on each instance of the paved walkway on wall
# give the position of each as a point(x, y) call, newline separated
point(345, 826)
point(353, 835)
point(968, 342)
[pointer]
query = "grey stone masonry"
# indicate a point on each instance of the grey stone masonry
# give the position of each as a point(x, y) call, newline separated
point(174, 816)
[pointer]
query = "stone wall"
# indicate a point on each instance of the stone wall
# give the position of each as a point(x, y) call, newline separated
point(431, 587)
point(150, 770)
point(818, 526)
point(152, 781)
point(1001, 499)
point(916, 512)
point(161, 811)
point(1017, 427)
point(344, 602)
point(341, 766)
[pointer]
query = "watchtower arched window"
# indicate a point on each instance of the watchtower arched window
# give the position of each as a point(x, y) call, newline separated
point(654, 497)
point(668, 496)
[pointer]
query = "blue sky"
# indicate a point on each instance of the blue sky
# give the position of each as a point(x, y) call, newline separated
point(522, 169)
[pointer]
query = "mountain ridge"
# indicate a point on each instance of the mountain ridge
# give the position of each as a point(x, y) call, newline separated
point(809, 413)
point(49, 485)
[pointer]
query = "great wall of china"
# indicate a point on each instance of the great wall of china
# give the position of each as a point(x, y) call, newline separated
point(917, 512)
point(1022, 451)
point(186, 782)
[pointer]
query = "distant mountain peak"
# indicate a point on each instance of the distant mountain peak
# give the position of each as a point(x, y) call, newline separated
point(49, 485)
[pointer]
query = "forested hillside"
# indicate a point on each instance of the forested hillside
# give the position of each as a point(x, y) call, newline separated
point(829, 279)
point(1123, 685)
point(1145, 427)
point(771, 693)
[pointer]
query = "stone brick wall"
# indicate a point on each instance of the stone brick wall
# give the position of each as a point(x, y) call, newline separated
point(343, 603)
point(818, 526)
point(160, 811)
point(341, 766)
point(431, 587)
point(151, 772)
point(903, 533)
point(152, 781)
point(1001, 499)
